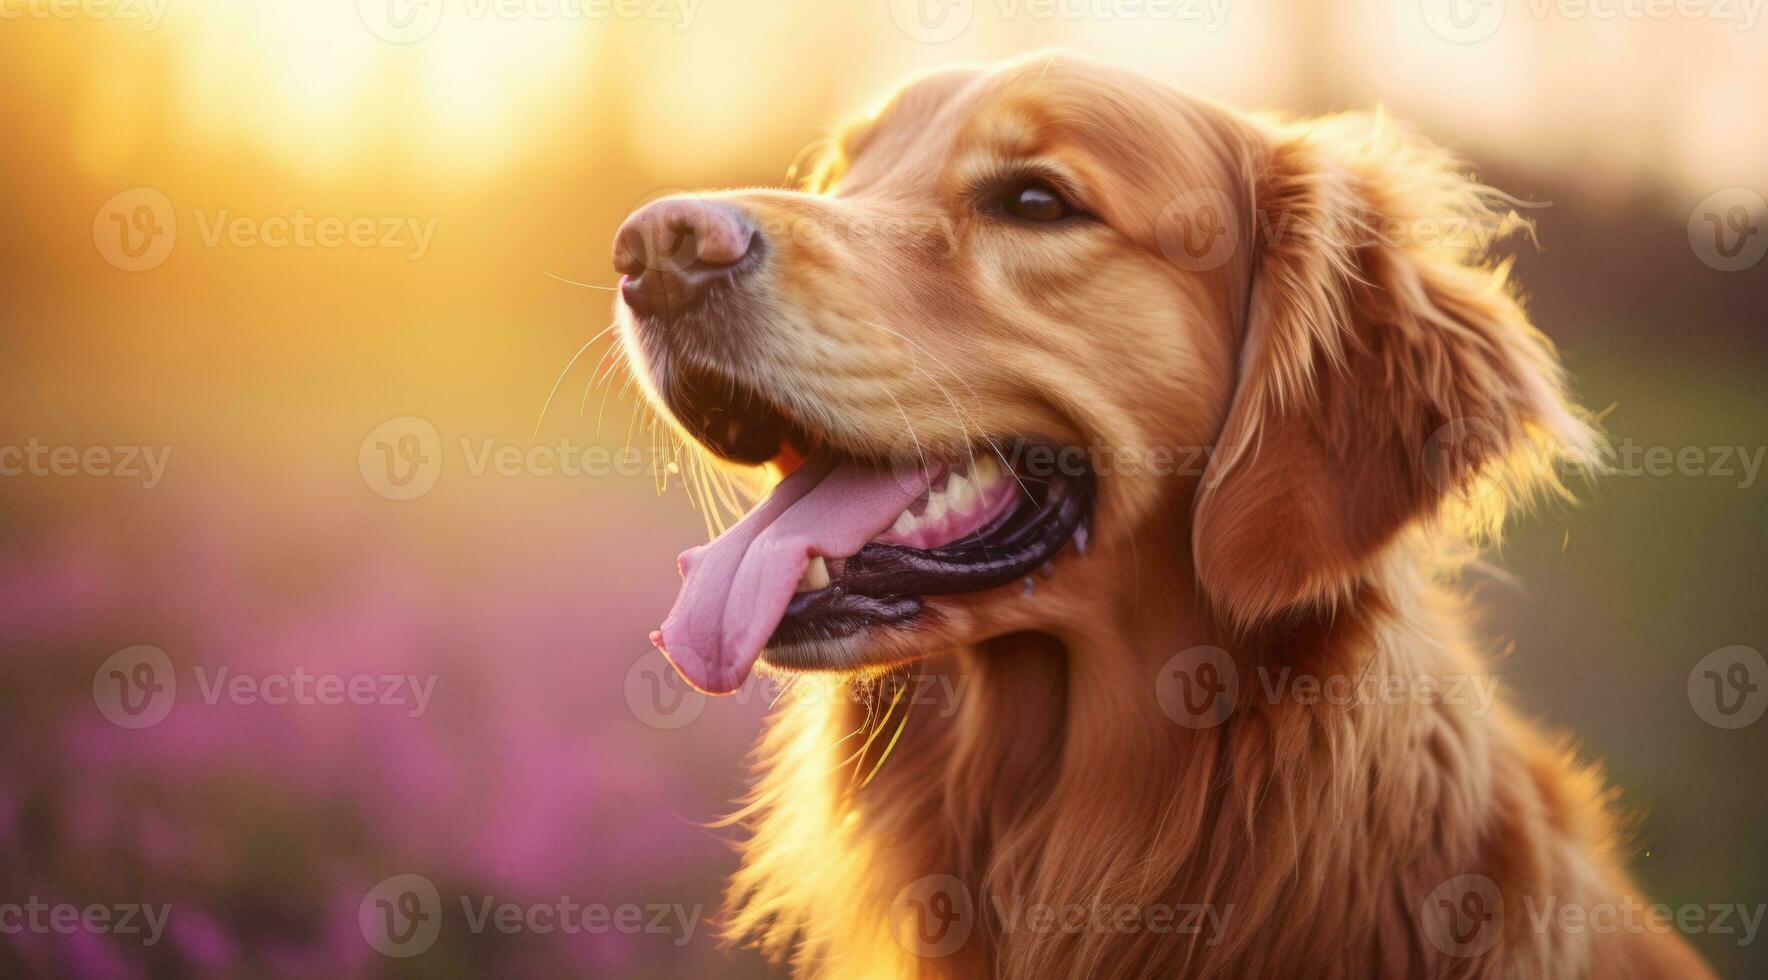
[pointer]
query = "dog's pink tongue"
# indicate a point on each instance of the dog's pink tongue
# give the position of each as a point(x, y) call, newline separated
point(736, 588)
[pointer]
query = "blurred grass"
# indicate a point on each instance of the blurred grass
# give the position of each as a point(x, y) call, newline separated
point(1623, 593)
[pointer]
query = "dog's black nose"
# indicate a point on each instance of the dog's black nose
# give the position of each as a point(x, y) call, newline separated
point(672, 251)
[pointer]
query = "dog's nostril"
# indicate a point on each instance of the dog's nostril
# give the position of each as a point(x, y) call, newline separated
point(630, 255)
point(682, 247)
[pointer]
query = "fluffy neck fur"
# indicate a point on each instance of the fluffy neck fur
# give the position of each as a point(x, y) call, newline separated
point(1292, 839)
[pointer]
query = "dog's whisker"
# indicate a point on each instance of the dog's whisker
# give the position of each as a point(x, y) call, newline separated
point(632, 420)
point(692, 477)
point(873, 737)
point(573, 282)
point(963, 417)
point(958, 412)
point(919, 453)
point(791, 682)
point(620, 360)
point(994, 447)
point(715, 522)
point(561, 378)
point(609, 358)
point(894, 738)
point(720, 483)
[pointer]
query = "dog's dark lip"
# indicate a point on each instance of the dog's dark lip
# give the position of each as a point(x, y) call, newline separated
point(734, 420)
point(888, 585)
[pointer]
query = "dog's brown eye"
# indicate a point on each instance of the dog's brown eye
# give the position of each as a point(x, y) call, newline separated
point(1037, 202)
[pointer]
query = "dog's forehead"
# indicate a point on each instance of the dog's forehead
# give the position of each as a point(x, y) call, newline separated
point(960, 126)
point(907, 142)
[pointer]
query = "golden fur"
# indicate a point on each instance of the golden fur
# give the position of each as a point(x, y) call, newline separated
point(1324, 359)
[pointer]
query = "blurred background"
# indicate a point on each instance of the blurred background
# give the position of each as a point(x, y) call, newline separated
point(284, 288)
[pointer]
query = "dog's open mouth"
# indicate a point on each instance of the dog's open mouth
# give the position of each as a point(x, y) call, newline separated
point(844, 543)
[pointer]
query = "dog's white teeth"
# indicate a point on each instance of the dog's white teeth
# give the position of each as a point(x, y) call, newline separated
point(936, 506)
point(816, 575)
point(905, 522)
point(985, 472)
point(960, 493)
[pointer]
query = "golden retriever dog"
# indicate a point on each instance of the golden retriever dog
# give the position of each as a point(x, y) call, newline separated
point(1131, 455)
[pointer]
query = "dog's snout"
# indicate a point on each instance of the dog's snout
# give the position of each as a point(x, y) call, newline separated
point(673, 251)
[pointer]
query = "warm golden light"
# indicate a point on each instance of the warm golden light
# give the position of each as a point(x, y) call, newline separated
point(304, 274)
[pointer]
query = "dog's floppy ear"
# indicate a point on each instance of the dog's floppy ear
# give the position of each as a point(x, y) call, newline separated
point(1388, 374)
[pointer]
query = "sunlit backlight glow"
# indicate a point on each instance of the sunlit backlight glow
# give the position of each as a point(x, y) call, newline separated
point(312, 84)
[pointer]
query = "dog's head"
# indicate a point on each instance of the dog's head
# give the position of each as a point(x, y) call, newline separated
point(1039, 318)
